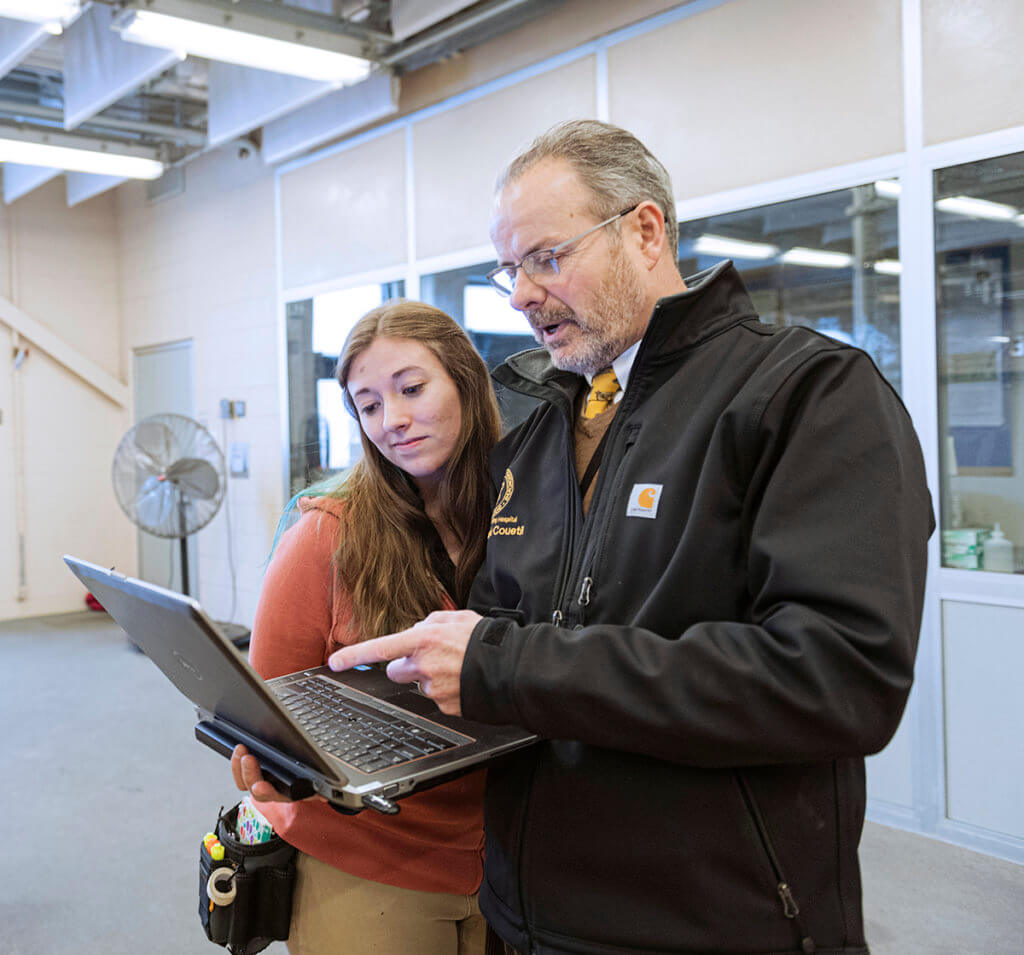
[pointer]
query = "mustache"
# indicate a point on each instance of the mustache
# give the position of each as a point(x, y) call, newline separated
point(541, 318)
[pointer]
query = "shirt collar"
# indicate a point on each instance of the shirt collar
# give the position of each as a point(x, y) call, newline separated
point(622, 366)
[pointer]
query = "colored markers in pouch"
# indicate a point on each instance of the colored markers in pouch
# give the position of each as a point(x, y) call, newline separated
point(252, 826)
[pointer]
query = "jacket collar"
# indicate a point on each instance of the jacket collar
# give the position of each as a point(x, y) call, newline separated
point(714, 300)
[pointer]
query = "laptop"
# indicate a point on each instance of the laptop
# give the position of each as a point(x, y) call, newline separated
point(356, 738)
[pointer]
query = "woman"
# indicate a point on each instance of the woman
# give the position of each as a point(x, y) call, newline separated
point(402, 534)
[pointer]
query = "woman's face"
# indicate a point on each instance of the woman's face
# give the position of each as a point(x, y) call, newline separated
point(408, 406)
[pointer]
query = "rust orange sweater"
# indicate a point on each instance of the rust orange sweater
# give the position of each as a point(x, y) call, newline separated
point(435, 844)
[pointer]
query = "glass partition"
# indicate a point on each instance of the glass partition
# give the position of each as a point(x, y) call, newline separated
point(323, 437)
point(979, 296)
point(829, 262)
point(495, 328)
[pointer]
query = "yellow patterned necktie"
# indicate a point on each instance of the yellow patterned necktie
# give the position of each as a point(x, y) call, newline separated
point(602, 393)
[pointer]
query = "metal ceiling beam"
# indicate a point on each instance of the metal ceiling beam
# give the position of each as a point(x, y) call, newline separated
point(273, 19)
point(75, 140)
point(479, 22)
point(187, 137)
point(470, 27)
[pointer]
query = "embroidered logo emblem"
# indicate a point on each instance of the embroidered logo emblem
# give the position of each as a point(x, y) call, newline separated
point(504, 493)
point(506, 525)
point(643, 500)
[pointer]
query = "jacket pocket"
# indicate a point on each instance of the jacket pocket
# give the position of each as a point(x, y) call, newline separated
point(790, 908)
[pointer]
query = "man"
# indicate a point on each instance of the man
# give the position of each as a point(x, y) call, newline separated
point(714, 631)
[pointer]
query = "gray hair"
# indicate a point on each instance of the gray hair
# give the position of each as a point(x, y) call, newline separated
point(617, 169)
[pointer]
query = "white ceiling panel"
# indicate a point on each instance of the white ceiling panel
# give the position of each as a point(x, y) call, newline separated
point(241, 99)
point(411, 16)
point(100, 68)
point(17, 39)
point(20, 180)
point(330, 117)
point(85, 185)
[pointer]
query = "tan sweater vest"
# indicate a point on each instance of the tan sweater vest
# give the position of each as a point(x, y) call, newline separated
point(587, 435)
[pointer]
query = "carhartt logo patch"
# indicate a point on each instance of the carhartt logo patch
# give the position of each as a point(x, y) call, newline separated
point(643, 500)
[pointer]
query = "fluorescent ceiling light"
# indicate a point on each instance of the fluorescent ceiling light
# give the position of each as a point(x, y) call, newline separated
point(977, 208)
point(734, 248)
point(817, 257)
point(888, 188)
point(30, 150)
point(241, 47)
point(888, 267)
point(40, 11)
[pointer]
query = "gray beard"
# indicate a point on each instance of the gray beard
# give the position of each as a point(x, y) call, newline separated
point(605, 329)
point(593, 353)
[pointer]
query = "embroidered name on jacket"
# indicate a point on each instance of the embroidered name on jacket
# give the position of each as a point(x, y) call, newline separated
point(505, 525)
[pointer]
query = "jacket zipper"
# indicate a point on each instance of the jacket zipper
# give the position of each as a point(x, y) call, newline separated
point(576, 505)
point(587, 584)
point(789, 904)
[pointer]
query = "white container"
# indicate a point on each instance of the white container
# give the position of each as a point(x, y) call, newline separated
point(998, 552)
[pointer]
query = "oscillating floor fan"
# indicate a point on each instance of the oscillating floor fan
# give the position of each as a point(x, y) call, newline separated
point(168, 476)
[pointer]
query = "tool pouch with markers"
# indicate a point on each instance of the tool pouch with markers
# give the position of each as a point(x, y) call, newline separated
point(249, 903)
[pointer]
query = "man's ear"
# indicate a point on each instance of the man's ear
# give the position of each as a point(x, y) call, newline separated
point(651, 230)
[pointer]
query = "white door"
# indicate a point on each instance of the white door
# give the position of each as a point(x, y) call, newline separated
point(164, 384)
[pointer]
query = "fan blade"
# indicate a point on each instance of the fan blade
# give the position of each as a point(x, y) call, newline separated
point(196, 477)
point(155, 446)
point(155, 505)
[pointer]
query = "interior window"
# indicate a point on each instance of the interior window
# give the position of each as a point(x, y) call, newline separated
point(323, 437)
point(979, 293)
point(495, 328)
point(829, 262)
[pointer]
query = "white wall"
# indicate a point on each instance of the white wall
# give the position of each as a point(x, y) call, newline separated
point(201, 265)
point(60, 267)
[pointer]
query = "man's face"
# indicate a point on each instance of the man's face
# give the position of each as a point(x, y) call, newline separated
point(594, 309)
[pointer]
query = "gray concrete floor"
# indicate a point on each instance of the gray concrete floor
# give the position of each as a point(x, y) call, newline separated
point(105, 795)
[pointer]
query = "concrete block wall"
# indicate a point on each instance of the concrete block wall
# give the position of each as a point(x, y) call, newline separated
point(201, 265)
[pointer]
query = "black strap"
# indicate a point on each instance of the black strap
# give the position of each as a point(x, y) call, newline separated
point(595, 463)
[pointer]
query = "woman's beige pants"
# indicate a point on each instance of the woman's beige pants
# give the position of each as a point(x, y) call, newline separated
point(334, 913)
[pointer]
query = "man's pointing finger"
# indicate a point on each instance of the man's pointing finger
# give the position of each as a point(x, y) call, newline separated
point(391, 647)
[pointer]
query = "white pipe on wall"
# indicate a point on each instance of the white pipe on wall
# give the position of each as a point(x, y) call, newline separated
point(19, 351)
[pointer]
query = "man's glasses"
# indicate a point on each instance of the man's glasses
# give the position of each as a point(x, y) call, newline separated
point(543, 264)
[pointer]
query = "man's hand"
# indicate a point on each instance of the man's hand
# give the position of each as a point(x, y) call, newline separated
point(429, 653)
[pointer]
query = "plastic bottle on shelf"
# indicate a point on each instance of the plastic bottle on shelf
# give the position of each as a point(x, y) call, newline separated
point(998, 552)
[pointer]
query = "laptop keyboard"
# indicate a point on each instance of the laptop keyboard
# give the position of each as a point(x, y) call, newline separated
point(362, 736)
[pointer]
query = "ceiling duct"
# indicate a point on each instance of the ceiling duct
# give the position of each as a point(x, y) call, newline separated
point(474, 25)
point(119, 96)
point(409, 17)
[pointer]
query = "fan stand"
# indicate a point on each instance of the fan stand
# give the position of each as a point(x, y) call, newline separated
point(237, 633)
point(184, 545)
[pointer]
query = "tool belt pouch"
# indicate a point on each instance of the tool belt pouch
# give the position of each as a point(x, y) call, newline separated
point(251, 902)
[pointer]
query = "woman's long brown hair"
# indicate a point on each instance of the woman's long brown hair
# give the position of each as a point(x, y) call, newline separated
point(383, 553)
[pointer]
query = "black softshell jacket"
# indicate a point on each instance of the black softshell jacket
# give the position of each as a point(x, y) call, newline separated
point(710, 652)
